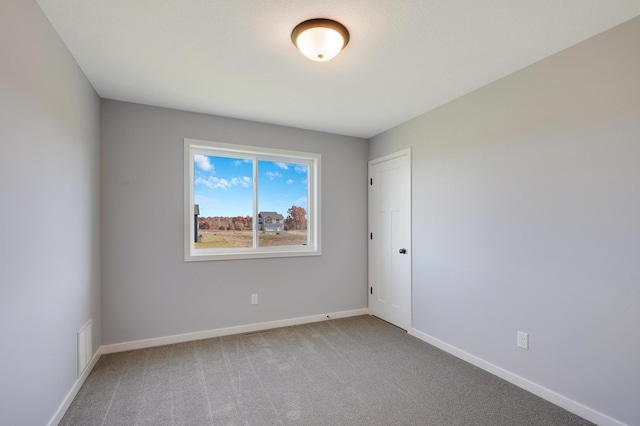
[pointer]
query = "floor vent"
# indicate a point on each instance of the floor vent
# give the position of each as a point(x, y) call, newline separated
point(84, 347)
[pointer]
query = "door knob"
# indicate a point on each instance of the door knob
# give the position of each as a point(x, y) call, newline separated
point(403, 251)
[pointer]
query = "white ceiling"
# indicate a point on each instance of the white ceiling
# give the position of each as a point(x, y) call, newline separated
point(235, 58)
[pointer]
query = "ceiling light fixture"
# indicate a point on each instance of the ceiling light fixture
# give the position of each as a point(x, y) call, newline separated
point(320, 39)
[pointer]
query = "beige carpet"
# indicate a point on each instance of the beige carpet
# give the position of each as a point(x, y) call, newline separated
point(353, 371)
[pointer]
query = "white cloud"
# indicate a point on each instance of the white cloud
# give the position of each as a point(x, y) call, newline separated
point(290, 181)
point(213, 182)
point(202, 161)
point(238, 162)
point(300, 202)
point(243, 181)
point(283, 166)
point(300, 168)
point(273, 175)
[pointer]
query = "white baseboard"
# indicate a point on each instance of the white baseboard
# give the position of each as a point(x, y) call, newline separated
point(66, 402)
point(544, 393)
point(208, 334)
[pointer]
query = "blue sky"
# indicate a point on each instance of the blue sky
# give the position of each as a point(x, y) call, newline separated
point(223, 186)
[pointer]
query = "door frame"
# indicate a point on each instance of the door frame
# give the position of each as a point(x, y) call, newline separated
point(404, 152)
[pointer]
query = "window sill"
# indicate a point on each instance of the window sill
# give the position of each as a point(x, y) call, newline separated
point(242, 254)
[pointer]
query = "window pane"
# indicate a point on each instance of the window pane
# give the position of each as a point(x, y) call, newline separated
point(282, 204)
point(227, 186)
point(223, 195)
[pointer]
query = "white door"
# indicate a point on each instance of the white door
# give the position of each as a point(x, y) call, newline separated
point(390, 238)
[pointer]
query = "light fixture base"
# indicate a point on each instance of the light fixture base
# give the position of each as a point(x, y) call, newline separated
point(320, 39)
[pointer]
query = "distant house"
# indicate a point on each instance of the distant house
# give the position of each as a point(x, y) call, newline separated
point(270, 222)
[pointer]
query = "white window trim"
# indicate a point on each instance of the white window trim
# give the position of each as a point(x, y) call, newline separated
point(195, 146)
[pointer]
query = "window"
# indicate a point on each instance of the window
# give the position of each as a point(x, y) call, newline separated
point(249, 202)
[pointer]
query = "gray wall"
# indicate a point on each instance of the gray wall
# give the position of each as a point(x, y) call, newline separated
point(49, 270)
point(526, 216)
point(149, 291)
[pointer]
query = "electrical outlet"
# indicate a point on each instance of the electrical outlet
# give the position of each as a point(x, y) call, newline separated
point(523, 340)
point(254, 299)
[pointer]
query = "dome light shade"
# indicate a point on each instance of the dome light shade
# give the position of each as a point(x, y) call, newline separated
point(320, 39)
